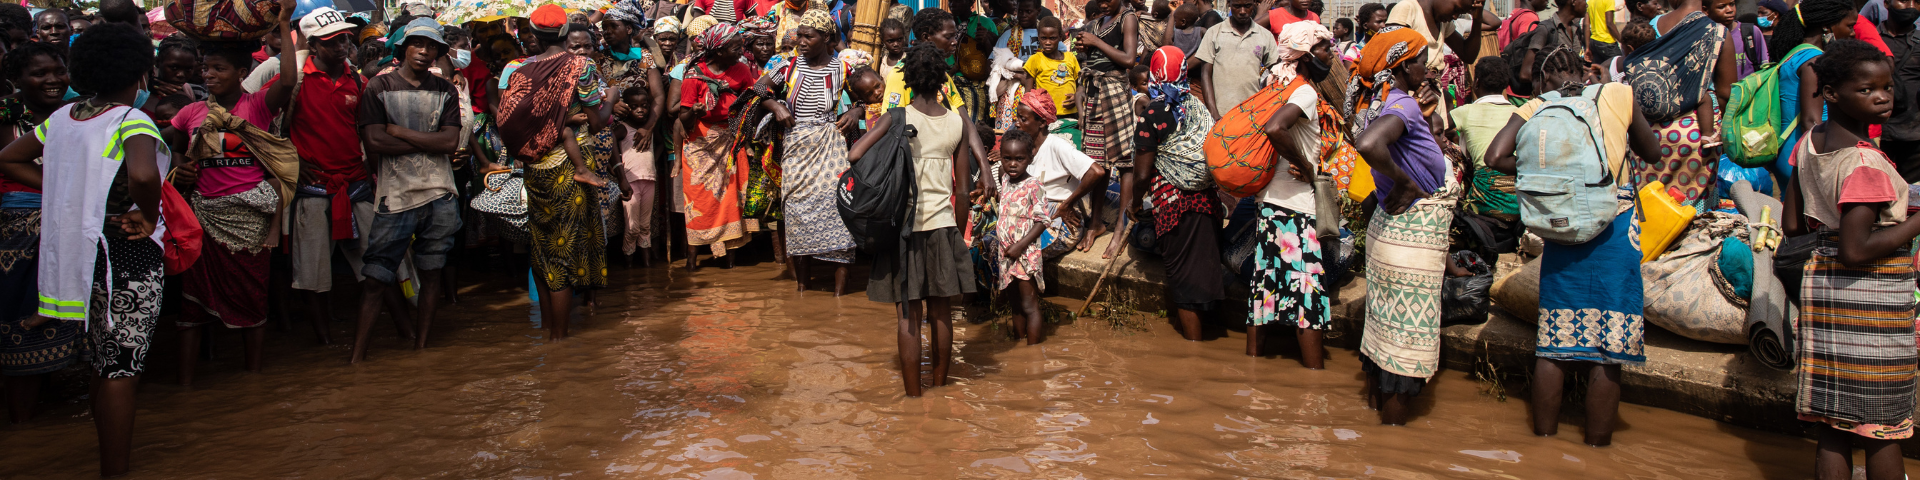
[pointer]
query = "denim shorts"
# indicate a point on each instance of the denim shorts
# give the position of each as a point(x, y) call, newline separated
point(428, 229)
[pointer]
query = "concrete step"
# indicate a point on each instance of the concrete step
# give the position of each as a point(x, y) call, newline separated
point(1717, 381)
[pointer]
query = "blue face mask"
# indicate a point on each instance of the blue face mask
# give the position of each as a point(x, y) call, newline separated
point(461, 58)
point(140, 99)
point(1765, 22)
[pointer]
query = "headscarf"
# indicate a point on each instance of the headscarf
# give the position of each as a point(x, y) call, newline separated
point(666, 25)
point(1389, 48)
point(759, 27)
point(1295, 40)
point(821, 21)
point(1167, 80)
point(713, 38)
point(855, 58)
point(628, 12)
point(700, 25)
point(1042, 104)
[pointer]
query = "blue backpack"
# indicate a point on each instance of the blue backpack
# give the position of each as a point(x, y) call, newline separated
point(1566, 190)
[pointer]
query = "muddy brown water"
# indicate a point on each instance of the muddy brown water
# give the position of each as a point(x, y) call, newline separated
point(730, 374)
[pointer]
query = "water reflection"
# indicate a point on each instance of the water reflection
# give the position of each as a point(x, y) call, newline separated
point(731, 375)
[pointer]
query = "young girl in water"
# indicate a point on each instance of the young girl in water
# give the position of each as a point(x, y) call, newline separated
point(1022, 218)
point(1856, 302)
point(936, 268)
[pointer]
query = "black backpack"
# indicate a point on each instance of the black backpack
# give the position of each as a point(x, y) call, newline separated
point(876, 195)
point(1516, 57)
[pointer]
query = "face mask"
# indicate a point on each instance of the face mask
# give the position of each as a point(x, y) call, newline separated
point(1904, 16)
point(1765, 22)
point(140, 97)
point(461, 58)
point(1316, 70)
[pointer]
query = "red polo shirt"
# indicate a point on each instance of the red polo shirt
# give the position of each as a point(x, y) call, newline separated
point(324, 115)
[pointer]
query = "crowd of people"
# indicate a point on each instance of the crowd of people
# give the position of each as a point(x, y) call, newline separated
point(1241, 142)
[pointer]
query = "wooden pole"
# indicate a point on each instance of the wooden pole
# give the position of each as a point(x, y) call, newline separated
point(867, 16)
point(1097, 283)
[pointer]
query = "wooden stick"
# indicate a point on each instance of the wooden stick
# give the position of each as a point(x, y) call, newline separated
point(1096, 285)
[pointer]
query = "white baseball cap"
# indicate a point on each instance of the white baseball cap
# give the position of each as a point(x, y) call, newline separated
point(324, 22)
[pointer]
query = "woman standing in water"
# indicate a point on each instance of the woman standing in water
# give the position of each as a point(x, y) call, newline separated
point(103, 160)
point(1415, 190)
point(38, 72)
point(1856, 326)
point(1591, 298)
point(714, 78)
point(802, 92)
point(569, 244)
point(936, 264)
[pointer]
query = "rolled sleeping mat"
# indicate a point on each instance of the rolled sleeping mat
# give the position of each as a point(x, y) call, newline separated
point(1769, 314)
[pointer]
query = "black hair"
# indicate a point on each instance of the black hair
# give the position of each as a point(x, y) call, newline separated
point(1841, 58)
point(1791, 30)
point(865, 72)
point(1365, 14)
point(1016, 135)
point(548, 39)
point(238, 54)
point(1560, 3)
point(1492, 74)
point(929, 20)
point(1635, 34)
point(15, 62)
point(177, 101)
point(121, 11)
point(177, 42)
point(1049, 22)
point(893, 24)
point(925, 69)
point(1344, 22)
point(1139, 68)
point(454, 34)
point(635, 90)
point(572, 28)
point(1559, 60)
point(15, 17)
point(110, 58)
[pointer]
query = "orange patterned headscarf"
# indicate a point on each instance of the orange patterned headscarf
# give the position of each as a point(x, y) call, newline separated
point(1373, 72)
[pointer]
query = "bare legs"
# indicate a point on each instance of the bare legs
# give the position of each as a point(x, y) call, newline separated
point(319, 310)
point(556, 308)
point(940, 312)
point(798, 267)
point(1189, 324)
point(372, 294)
point(430, 281)
point(1312, 355)
point(1603, 399)
point(255, 338)
point(23, 391)
point(1030, 326)
point(113, 421)
point(1833, 459)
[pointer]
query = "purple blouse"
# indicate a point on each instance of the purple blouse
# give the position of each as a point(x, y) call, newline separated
point(1416, 152)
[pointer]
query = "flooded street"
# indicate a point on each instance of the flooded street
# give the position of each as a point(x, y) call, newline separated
point(730, 374)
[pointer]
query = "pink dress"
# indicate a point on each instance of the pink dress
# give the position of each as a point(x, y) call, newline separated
point(1022, 208)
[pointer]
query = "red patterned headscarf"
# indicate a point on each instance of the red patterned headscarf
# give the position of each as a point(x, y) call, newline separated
point(1042, 104)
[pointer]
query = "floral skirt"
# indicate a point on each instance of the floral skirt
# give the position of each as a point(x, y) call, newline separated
point(1287, 271)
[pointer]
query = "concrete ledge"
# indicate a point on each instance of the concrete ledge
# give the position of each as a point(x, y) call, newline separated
point(1717, 381)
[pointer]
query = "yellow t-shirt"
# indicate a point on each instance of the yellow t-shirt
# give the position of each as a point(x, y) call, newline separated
point(1058, 77)
point(898, 95)
point(1616, 113)
point(1600, 19)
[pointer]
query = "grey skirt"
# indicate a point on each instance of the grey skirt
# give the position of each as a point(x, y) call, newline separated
point(938, 266)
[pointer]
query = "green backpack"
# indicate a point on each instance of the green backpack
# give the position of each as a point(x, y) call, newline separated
point(1751, 126)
